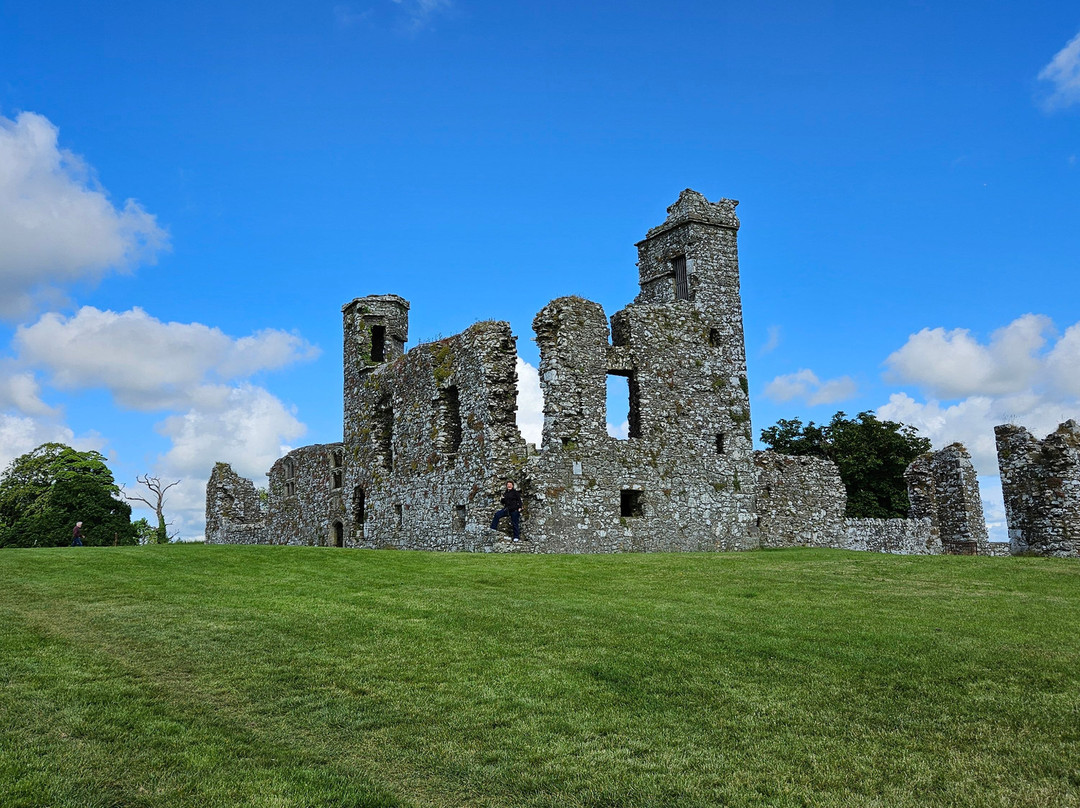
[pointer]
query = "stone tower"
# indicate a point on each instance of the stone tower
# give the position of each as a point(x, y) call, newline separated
point(376, 329)
point(684, 478)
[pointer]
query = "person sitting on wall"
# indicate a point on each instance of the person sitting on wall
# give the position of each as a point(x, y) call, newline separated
point(511, 506)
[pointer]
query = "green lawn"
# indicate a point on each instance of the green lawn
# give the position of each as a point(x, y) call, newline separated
point(273, 676)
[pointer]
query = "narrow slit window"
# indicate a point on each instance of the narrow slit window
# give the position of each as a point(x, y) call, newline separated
point(719, 442)
point(358, 507)
point(682, 287)
point(400, 511)
point(339, 534)
point(378, 343)
point(459, 517)
point(714, 337)
point(449, 414)
point(384, 436)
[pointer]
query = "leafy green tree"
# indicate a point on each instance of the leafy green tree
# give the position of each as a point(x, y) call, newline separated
point(870, 454)
point(43, 494)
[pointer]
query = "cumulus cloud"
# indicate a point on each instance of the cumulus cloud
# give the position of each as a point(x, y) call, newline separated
point(952, 364)
point(1063, 76)
point(57, 225)
point(145, 363)
point(530, 401)
point(20, 434)
point(806, 385)
point(19, 390)
point(969, 387)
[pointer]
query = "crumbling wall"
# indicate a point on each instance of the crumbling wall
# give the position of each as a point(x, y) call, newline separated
point(684, 478)
point(800, 501)
point(1040, 481)
point(898, 536)
point(432, 438)
point(233, 512)
point(943, 487)
point(306, 498)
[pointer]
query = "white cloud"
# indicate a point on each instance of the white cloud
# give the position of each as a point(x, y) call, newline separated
point(951, 364)
point(806, 385)
point(147, 364)
point(245, 426)
point(19, 390)
point(57, 225)
point(773, 339)
point(20, 434)
point(970, 387)
point(530, 403)
point(1063, 75)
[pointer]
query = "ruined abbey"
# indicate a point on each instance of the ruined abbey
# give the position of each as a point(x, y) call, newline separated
point(430, 438)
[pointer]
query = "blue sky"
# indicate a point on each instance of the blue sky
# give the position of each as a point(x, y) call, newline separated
point(190, 192)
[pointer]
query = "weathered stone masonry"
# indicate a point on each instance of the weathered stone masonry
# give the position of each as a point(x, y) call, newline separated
point(430, 435)
point(1041, 484)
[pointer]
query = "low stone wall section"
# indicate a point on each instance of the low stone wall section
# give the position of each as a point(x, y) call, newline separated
point(898, 536)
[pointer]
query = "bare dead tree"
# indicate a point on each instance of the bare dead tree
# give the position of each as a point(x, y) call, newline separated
point(156, 503)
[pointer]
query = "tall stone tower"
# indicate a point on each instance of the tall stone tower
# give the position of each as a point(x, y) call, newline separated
point(376, 329)
point(693, 256)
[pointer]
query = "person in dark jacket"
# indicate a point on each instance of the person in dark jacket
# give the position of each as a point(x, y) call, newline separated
point(76, 535)
point(511, 501)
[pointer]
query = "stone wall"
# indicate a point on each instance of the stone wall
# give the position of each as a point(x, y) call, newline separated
point(307, 497)
point(943, 487)
point(432, 438)
point(899, 536)
point(1040, 481)
point(233, 512)
point(800, 501)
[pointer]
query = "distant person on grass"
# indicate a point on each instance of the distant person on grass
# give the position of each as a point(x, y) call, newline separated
point(76, 536)
point(511, 506)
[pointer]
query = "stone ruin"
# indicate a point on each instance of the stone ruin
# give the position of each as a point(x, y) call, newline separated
point(1040, 481)
point(430, 434)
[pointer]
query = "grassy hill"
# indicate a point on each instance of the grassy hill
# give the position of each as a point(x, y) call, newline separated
point(274, 676)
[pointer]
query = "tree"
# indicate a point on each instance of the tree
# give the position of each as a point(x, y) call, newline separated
point(43, 494)
point(870, 454)
point(156, 503)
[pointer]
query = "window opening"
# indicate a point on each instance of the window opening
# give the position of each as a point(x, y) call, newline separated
point(339, 534)
point(358, 506)
point(682, 287)
point(384, 436)
point(719, 442)
point(337, 482)
point(459, 517)
point(290, 477)
point(449, 414)
point(630, 504)
point(623, 406)
point(338, 458)
point(400, 511)
point(378, 343)
point(714, 337)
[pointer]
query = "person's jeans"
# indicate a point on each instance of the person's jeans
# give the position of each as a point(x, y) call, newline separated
point(76, 542)
point(515, 520)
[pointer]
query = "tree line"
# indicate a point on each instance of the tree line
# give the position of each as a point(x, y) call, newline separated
point(45, 492)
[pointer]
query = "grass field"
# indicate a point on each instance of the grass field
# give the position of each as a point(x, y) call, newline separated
point(273, 676)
